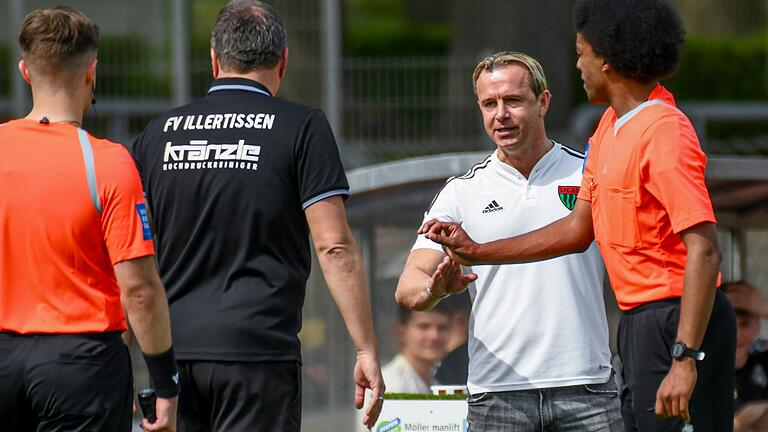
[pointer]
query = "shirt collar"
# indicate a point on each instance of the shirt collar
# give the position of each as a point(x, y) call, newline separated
point(241, 84)
point(661, 93)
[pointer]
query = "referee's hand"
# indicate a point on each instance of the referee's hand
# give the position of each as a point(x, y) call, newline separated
point(368, 376)
point(166, 416)
point(676, 389)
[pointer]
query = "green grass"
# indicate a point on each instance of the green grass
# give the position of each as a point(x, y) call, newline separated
point(412, 396)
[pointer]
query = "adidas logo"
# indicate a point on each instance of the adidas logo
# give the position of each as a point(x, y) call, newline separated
point(492, 207)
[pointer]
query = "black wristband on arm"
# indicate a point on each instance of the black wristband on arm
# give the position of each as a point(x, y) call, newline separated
point(163, 373)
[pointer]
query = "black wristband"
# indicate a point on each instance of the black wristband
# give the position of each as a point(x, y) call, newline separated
point(163, 373)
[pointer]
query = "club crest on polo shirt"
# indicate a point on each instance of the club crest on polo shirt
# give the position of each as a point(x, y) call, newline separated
point(568, 195)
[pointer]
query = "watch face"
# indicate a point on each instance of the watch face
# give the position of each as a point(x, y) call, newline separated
point(677, 350)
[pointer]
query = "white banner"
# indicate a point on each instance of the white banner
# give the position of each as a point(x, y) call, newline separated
point(423, 416)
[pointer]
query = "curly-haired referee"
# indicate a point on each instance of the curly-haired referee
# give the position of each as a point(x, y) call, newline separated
point(644, 199)
point(74, 242)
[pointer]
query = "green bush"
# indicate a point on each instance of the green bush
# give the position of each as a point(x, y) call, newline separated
point(426, 396)
point(722, 68)
point(130, 67)
point(396, 39)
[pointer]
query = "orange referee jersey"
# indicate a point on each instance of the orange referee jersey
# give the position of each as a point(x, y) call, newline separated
point(644, 175)
point(71, 206)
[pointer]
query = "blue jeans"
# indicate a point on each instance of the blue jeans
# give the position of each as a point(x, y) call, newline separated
point(591, 407)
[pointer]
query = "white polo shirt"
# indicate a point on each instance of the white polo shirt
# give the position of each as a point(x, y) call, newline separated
point(533, 325)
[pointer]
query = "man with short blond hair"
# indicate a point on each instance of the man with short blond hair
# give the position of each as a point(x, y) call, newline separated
point(75, 252)
point(538, 335)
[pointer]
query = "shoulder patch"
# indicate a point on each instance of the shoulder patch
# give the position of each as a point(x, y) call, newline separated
point(146, 231)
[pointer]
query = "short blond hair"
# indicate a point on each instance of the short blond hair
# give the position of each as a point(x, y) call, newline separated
point(507, 58)
point(58, 37)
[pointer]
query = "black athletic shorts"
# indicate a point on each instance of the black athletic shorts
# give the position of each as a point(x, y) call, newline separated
point(56, 383)
point(646, 335)
point(239, 396)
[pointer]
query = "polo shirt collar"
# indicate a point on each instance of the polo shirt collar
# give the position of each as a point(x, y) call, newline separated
point(240, 84)
point(541, 165)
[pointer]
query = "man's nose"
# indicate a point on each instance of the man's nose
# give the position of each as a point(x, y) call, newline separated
point(501, 112)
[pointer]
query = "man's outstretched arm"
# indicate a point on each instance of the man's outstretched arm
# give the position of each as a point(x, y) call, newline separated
point(570, 234)
point(343, 271)
point(429, 276)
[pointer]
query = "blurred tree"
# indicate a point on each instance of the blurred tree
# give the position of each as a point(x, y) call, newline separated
point(541, 29)
point(717, 18)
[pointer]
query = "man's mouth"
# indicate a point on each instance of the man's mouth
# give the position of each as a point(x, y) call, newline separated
point(506, 130)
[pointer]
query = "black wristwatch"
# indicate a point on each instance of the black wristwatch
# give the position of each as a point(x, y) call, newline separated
point(679, 351)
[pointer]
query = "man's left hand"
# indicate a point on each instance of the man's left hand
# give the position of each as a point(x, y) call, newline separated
point(675, 391)
point(367, 375)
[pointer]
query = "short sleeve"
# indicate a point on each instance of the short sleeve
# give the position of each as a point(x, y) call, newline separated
point(442, 208)
point(321, 174)
point(673, 169)
point(587, 177)
point(124, 218)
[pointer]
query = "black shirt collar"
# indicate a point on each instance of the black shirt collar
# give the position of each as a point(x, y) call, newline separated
point(242, 84)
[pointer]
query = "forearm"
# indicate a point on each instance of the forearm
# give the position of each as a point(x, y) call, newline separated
point(411, 290)
point(343, 271)
point(127, 335)
point(562, 237)
point(698, 295)
point(147, 311)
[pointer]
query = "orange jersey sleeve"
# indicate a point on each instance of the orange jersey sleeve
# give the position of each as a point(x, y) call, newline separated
point(672, 169)
point(124, 218)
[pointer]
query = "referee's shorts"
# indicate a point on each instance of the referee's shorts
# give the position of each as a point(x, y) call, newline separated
point(646, 335)
point(239, 396)
point(65, 382)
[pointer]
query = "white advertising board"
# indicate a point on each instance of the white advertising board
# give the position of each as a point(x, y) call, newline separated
point(422, 416)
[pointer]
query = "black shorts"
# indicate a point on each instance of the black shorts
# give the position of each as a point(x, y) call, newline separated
point(646, 335)
point(239, 396)
point(53, 383)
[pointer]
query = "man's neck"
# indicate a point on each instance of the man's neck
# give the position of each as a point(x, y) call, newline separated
point(268, 78)
point(56, 107)
point(625, 95)
point(525, 158)
point(423, 368)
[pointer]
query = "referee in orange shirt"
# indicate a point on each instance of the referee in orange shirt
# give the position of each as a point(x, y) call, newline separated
point(75, 251)
point(644, 200)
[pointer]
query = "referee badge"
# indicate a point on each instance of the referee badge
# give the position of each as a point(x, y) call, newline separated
point(568, 195)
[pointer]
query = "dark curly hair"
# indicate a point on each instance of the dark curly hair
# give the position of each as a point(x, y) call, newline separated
point(640, 39)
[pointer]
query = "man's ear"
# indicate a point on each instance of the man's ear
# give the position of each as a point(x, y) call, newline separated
point(90, 73)
point(214, 64)
point(24, 71)
point(544, 99)
point(283, 63)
